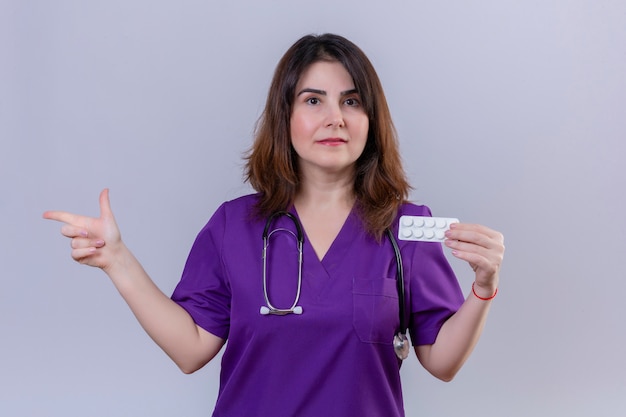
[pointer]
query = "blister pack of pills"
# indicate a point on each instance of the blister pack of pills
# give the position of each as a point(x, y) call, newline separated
point(424, 228)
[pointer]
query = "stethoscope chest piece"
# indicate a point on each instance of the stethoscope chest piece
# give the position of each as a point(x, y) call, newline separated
point(401, 345)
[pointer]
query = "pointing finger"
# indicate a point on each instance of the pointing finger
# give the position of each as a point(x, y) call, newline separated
point(64, 217)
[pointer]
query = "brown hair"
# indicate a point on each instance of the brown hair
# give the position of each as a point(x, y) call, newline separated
point(380, 184)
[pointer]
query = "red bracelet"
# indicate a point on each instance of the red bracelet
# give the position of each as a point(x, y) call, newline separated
point(483, 298)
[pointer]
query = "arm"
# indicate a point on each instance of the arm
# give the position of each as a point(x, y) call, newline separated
point(483, 249)
point(97, 242)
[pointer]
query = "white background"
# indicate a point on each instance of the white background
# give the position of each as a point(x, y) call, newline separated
point(510, 113)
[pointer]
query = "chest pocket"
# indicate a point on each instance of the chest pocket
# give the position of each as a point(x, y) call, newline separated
point(375, 309)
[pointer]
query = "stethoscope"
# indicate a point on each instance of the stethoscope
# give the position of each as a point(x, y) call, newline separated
point(400, 341)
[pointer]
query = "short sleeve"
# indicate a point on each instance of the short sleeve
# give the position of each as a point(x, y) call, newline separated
point(204, 291)
point(435, 293)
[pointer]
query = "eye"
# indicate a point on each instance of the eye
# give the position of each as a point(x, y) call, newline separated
point(352, 102)
point(313, 100)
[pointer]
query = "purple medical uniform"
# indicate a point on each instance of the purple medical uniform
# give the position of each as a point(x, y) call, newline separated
point(336, 358)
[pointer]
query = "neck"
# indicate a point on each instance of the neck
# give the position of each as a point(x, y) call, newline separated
point(320, 189)
point(323, 208)
point(325, 195)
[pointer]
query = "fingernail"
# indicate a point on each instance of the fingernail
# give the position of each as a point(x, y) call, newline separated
point(84, 233)
point(99, 243)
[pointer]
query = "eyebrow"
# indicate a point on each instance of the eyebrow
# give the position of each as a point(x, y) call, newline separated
point(323, 93)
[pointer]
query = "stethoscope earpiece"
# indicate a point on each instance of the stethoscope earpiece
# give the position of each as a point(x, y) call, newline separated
point(265, 311)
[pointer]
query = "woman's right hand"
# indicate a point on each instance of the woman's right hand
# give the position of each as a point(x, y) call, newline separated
point(94, 241)
point(97, 242)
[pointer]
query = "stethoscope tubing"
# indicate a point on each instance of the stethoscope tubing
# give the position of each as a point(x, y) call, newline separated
point(399, 280)
point(269, 308)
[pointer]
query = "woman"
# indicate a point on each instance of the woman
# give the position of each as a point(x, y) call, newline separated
point(326, 154)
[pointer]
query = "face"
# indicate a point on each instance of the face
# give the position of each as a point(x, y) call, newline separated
point(328, 124)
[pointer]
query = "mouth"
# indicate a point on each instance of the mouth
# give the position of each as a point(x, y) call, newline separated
point(332, 141)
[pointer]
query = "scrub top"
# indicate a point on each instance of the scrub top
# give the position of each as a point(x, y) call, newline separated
point(337, 357)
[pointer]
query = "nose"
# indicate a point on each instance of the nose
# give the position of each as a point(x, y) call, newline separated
point(334, 116)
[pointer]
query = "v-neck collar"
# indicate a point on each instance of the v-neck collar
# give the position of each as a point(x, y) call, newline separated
point(320, 275)
point(338, 248)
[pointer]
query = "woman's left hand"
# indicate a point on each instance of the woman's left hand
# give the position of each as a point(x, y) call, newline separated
point(482, 248)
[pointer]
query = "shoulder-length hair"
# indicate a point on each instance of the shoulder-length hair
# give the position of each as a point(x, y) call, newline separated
point(380, 184)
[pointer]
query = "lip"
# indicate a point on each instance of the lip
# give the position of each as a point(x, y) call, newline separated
point(332, 141)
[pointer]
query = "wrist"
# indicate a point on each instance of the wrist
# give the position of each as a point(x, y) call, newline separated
point(119, 258)
point(484, 293)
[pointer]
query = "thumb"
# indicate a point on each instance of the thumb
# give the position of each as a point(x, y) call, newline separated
point(105, 205)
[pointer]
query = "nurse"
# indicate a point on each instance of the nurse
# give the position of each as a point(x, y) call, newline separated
point(326, 152)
